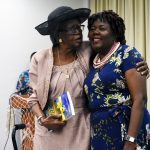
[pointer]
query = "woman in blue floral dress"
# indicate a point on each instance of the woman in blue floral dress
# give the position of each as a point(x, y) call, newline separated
point(116, 91)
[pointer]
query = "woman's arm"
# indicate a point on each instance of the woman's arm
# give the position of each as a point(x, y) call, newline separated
point(33, 77)
point(137, 87)
point(52, 122)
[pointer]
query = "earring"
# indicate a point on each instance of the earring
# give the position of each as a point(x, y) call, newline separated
point(60, 40)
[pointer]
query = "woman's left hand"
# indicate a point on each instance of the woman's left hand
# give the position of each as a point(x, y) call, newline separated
point(129, 146)
point(143, 68)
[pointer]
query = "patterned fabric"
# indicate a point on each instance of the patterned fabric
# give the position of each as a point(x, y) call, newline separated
point(23, 83)
point(27, 117)
point(110, 102)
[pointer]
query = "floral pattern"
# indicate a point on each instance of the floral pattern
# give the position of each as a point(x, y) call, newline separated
point(110, 102)
point(22, 86)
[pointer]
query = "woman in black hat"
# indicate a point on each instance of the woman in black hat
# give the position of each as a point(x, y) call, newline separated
point(57, 70)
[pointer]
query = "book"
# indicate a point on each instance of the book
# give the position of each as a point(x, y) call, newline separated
point(61, 105)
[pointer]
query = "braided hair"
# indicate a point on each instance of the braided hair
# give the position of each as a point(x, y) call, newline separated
point(114, 20)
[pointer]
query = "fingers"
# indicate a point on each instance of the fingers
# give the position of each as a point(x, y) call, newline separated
point(54, 122)
point(55, 119)
point(148, 73)
point(141, 65)
point(144, 71)
point(58, 122)
point(142, 68)
point(58, 116)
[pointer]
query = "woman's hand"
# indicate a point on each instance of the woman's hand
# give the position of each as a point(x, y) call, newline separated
point(143, 68)
point(53, 122)
point(129, 146)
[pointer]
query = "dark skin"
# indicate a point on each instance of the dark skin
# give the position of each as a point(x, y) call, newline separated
point(142, 66)
point(69, 44)
point(67, 54)
point(102, 39)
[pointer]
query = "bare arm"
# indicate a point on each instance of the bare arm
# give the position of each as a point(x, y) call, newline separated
point(137, 87)
point(36, 109)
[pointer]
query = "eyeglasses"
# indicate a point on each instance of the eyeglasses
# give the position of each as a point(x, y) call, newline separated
point(74, 29)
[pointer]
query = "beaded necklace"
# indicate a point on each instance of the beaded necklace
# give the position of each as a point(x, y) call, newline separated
point(99, 63)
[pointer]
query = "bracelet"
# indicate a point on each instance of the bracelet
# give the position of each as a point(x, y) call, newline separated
point(130, 139)
point(50, 131)
point(39, 120)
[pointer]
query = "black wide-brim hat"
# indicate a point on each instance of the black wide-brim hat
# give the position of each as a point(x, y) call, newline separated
point(61, 14)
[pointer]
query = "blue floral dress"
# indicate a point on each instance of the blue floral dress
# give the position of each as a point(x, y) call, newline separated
point(110, 102)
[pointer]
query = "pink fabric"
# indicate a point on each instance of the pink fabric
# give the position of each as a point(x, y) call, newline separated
point(43, 76)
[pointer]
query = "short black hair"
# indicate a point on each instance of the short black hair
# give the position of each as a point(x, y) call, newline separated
point(114, 20)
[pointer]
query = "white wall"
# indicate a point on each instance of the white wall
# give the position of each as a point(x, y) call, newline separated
point(18, 39)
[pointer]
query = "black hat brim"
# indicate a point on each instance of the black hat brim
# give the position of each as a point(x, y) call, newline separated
point(47, 27)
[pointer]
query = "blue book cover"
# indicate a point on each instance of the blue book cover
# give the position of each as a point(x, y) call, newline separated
point(62, 105)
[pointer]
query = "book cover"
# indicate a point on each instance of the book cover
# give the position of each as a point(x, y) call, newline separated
point(61, 105)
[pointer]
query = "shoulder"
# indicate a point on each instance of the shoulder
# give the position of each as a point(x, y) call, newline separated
point(42, 54)
point(85, 49)
point(126, 51)
point(130, 56)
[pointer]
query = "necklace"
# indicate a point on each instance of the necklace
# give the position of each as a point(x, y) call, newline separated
point(99, 63)
point(67, 73)
point(69, 76)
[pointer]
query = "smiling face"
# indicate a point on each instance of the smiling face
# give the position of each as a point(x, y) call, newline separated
point(101, 36)
point(71, 33)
